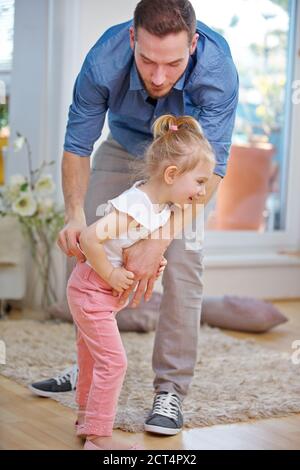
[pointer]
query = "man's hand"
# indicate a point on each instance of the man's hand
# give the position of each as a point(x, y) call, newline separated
point(161, 268)
point(68, 238)
point(145, 259)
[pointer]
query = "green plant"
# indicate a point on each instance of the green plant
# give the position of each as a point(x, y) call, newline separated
point(3, 115)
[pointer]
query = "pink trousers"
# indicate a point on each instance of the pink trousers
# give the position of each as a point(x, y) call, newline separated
point(102, 359)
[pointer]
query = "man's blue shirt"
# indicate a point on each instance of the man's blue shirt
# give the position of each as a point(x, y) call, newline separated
point(109, 81)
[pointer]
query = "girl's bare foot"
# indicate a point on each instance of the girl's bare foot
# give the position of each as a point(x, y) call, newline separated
point(79, 423)
point(80, 416)
point(108, 443)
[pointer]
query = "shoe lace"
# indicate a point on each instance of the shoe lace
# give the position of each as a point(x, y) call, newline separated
point(68, 375)
point(167, 404)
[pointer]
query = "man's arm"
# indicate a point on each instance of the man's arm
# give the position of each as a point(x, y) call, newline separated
point(85, 123)
point(75, 178)
point(211, 187)
point(217, 109)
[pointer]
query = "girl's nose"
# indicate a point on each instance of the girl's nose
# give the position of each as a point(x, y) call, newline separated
point(202, 191)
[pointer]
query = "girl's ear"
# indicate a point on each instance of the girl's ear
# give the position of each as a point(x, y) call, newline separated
point(170, 174)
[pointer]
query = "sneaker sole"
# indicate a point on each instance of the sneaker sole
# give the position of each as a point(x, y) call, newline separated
point(161, 430)
point(42, 393)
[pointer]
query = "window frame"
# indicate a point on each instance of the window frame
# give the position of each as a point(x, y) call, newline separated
point(289, 237)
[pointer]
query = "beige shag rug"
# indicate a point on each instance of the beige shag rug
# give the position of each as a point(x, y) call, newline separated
point(234, 380)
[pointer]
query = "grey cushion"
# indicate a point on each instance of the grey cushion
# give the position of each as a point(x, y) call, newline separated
point(241, 314)
point(229, 312)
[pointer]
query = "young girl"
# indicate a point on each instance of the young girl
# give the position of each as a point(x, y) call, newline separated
point(176, 167)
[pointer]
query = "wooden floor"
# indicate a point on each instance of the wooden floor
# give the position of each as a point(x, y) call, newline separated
point(29, 422)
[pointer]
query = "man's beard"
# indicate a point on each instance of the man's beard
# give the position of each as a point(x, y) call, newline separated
point(156, 97)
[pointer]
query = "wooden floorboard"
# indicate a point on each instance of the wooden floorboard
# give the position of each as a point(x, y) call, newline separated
point(29, 422)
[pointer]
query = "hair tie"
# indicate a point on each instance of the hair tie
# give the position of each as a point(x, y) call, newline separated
point(173, 128)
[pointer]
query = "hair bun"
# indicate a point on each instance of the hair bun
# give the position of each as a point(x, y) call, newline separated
point(163, 124)
point(168, 122)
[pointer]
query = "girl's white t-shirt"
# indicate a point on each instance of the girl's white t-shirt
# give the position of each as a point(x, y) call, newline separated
point(138, 205)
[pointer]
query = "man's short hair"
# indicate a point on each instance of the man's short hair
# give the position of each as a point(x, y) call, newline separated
point(162, 17)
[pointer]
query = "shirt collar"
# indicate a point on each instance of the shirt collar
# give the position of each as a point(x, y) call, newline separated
point(135, 81)
point(179, 85)
point(182, 81)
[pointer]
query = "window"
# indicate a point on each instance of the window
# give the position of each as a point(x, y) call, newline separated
point(6, 50)
point(252, 197)
point(6, 34)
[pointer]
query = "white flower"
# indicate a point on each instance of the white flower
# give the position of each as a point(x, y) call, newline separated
point(2, 205)
point(25, 205)
point(15, 181)
point(18, 143)
point(13, 190)
point(45, 205)
point(44, 185)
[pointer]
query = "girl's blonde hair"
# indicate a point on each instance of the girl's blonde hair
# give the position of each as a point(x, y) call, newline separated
point(177, 141)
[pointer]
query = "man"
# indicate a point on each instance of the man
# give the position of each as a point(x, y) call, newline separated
point(162, 62)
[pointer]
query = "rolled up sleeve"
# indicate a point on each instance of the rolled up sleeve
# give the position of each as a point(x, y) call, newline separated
point(86, 113)
point(217, 114)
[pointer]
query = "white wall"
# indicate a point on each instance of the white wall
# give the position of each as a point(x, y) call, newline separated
point(98, 15)
point(29, 79)
point(95, 17)
point(51, 39)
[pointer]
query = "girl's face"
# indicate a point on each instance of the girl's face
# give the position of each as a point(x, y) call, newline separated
point(190, 186)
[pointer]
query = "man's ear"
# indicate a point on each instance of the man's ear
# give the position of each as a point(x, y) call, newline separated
point(194, 43)
point(131, 37)
point(170, 174)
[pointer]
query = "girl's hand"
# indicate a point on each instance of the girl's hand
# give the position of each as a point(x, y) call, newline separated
point(120, 279)
point(163, 264)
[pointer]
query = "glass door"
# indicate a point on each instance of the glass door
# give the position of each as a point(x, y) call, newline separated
point(252, 195)
point(6, 51)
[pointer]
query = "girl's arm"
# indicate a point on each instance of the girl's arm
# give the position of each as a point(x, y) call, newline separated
point(111, 226)
point(142, 256)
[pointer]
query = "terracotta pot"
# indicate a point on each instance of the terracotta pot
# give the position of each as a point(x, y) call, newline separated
point(243, 192)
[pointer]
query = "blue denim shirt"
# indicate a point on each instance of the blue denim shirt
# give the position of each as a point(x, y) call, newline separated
point(109, 81)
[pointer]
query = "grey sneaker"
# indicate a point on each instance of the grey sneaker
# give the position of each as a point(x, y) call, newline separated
point(65, 382)
point(166, 415)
